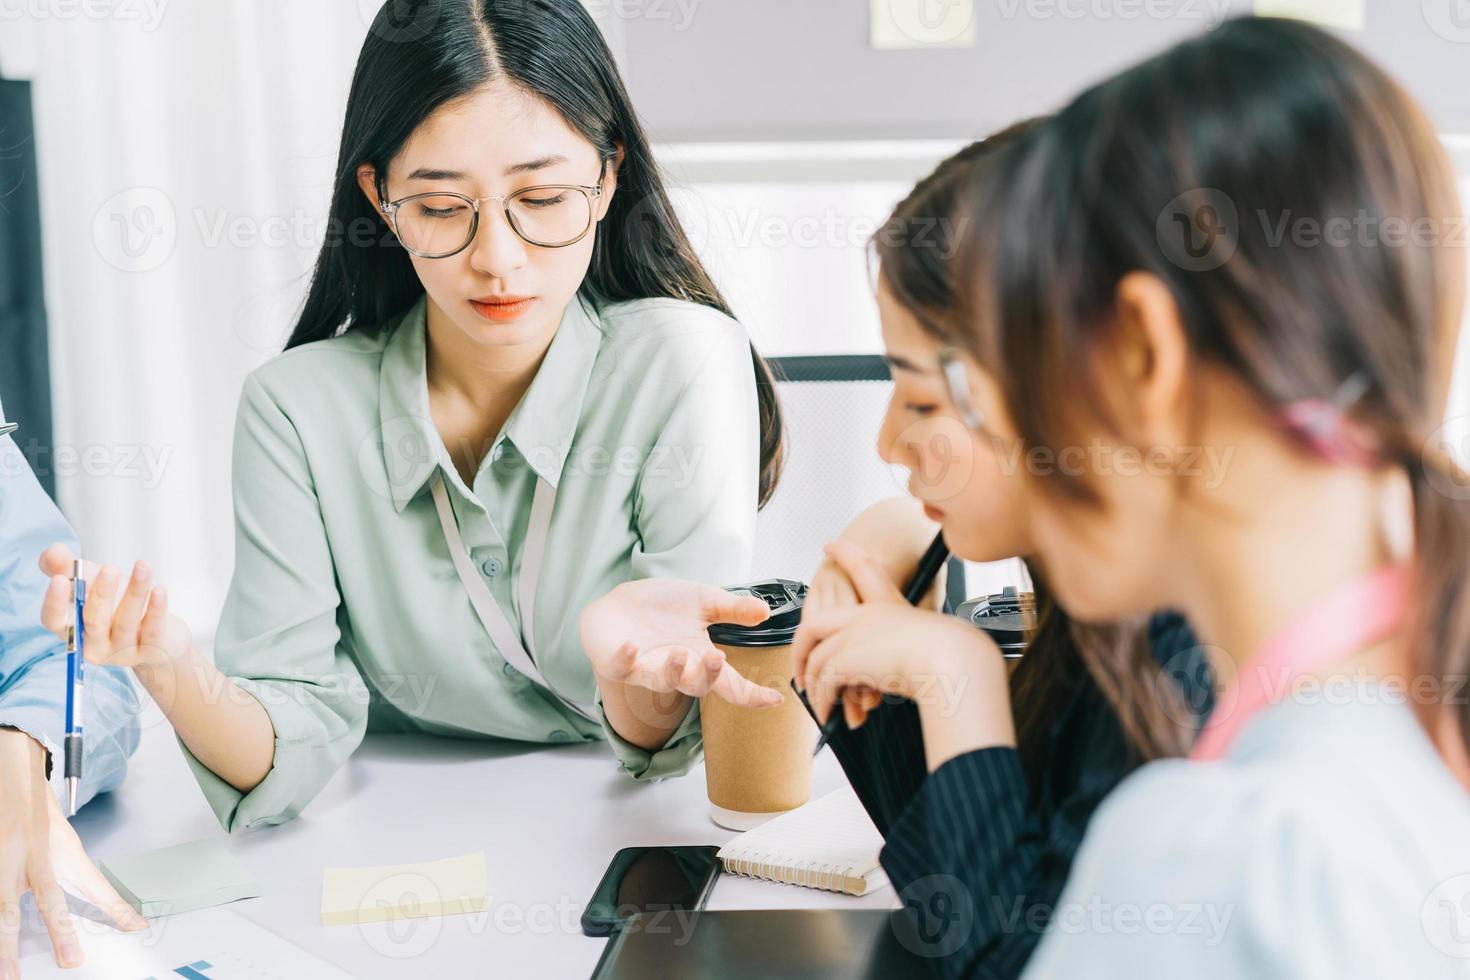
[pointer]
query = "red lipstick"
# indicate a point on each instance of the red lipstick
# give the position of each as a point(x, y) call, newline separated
point(502, 309)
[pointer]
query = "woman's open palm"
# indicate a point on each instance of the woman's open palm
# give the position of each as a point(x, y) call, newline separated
point(653, 633)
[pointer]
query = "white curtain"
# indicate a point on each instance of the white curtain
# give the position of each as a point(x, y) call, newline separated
point(185, 154)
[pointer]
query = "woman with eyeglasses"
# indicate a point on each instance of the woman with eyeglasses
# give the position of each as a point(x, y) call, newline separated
point(511, 388)
point(981, 815)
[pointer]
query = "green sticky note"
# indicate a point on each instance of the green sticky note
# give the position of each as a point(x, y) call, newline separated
point(177, 879)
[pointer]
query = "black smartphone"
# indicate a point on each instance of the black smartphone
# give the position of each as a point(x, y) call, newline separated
point(651, 879)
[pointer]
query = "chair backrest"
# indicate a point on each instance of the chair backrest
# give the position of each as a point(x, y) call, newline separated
point(833, 406)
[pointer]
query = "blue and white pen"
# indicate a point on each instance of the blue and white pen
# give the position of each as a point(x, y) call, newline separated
point(75, 665)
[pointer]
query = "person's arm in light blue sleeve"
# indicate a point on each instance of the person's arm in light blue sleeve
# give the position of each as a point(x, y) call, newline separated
point(33, 678)
point(40, 848)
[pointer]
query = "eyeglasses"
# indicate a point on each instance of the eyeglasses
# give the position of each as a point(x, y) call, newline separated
point(439, 224)
point(958, 384)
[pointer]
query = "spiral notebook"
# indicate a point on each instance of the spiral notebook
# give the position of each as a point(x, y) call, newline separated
point(829, 844)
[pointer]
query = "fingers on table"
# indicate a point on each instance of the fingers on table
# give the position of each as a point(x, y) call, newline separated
point(51, 901)
point(97, 890)
point(9, 929)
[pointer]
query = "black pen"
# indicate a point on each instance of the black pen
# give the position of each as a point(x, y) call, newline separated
point(6, 428)
point(929, 566)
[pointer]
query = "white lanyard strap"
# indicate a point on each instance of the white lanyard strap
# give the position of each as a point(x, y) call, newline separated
point(506, 639)
point(533, 553)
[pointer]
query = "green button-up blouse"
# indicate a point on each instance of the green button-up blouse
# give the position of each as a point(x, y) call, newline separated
point(345, 613)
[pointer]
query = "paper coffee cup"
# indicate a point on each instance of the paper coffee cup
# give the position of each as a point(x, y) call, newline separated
point(758, 761)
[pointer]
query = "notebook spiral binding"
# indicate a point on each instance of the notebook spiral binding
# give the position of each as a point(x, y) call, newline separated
point(771, 866)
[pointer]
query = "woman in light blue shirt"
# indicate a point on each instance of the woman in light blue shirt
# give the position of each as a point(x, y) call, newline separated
point(511, 388)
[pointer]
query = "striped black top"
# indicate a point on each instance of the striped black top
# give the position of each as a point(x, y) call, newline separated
point(979, 850)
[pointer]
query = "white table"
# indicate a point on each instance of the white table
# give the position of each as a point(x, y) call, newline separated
point(548, 818)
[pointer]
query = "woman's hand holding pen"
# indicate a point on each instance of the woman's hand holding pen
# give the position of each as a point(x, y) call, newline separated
point(881, 664)
point(131, 630)
point(953, 671)
point(223, 726)
point(897, 529)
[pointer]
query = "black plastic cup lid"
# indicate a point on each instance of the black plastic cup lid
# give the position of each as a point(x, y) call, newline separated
point(785, 598)
point(1009, 617)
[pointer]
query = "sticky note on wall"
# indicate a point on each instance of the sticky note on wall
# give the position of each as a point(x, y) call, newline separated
point(898, 24)
point(1350, 15)
point(450, 887)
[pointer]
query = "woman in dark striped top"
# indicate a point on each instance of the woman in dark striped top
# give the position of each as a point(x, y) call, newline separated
point(980, 832)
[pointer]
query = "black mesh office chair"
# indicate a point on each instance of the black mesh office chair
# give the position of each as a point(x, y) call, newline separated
point(833, 406)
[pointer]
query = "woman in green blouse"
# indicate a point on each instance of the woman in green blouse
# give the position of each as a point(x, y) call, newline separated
point(512, 387)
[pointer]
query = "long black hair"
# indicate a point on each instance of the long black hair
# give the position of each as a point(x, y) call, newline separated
point(420, 55)
point(914, 249)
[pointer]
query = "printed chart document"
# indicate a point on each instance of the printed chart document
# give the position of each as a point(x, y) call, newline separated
point(210, 944)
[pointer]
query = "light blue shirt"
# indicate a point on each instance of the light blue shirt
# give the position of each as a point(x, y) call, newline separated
point(1331, 842)
point(33, 660)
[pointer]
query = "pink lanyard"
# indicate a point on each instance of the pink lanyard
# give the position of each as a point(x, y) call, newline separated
point(1351, 619)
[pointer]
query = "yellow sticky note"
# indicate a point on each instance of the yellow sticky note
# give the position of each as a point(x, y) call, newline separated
point(1350, 15)
point(922, 24)
point(351, 896)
